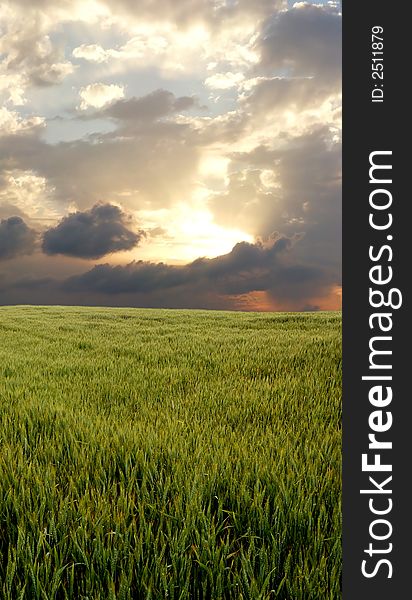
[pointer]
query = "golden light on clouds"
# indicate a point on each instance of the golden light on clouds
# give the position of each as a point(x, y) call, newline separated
point(206, 238)
point(97, 95)
point(156, 133)
point(214, 165)
point(182, 235)
point(30, 194)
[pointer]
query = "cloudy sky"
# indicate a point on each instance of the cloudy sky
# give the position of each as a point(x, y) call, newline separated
point(171, 153)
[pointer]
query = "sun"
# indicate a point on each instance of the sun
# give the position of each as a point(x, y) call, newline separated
point(182, 234)
point(206, 238)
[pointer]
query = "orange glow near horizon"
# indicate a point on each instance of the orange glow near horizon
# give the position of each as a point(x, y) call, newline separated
point(262, 301)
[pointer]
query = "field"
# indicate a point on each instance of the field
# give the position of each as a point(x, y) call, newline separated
point(159, 454)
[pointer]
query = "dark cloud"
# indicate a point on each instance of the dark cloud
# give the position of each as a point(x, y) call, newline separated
point(248, 267)
point(7, 209)
point(305, 196)
point(91, 234)
point(33, 283)
point(156, 105)
point(308, 169)
point(290, 184)
point(267, 267)
point(16, 238)
point(303, 41)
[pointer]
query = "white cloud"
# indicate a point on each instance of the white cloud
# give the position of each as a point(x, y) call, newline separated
point(97, 95)
point(143, 44)
point(244, 166)
point(160, 45)
point(28, 56)
point(224, 81)
point(30, 194)
point(11, 122)
point(173, 50)
point(12, 87)
point(92, 53)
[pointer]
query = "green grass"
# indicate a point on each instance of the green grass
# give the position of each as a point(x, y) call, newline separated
point(169, 454)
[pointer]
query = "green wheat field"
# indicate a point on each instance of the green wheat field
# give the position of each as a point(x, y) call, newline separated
point(169, 454)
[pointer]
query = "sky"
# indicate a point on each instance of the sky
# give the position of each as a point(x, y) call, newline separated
point(177, 154)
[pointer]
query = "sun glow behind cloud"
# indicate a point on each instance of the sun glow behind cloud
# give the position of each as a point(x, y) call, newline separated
point(207, 123)
point(206, 238)
point(181, 235)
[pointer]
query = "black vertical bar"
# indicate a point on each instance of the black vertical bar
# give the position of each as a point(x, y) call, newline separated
point(376, 118)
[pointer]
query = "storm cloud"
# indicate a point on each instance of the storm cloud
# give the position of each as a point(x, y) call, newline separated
point(248, 267)
point(91, 234)
point(210, 122)
point(16, 238)
point(267, 267)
